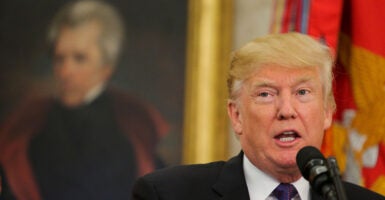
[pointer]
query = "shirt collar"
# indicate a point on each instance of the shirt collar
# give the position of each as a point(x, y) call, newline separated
point(260, 185)
point(93, 93)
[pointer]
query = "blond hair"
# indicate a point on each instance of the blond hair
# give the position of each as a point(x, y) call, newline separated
point(292, 50)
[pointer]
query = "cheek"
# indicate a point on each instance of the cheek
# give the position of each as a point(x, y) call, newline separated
point(259, 117)
point(253, 143)
point(256, 119)
point(315, 124)
point(81, 76)
point(88, 74)
point(256, 124)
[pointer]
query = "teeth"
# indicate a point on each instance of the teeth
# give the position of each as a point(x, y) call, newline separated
point(287, 136)
point(286, 139)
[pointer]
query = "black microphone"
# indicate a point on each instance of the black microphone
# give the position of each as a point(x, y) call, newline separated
point(313, 167)
point(334, 174)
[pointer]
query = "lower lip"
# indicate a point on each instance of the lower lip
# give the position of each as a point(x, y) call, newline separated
point(286, 143)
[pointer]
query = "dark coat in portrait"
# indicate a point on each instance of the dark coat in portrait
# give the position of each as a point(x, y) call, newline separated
point(95, 151)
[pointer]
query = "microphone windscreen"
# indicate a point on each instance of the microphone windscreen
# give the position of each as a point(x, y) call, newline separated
point(304, 156)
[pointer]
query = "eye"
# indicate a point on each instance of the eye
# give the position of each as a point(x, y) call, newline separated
point(305, 95)
point(80, 57)
point(303, 92)
point(263, 94)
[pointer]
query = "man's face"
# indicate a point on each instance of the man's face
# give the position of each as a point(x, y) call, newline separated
point(78, 64)
point(280, 110)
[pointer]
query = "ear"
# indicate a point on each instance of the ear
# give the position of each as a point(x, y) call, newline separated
point(328, 117)
point(235, 116)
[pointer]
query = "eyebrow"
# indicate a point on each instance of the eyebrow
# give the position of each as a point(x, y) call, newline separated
point(268, 83)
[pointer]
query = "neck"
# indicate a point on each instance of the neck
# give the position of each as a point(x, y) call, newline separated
point(282, 174)
point(287, 176)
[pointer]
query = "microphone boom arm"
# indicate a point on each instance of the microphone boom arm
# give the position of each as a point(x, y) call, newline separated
point(334, 173)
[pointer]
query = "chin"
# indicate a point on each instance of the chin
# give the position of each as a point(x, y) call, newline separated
point(287, 161)
point(70, 102)
point(289, 164)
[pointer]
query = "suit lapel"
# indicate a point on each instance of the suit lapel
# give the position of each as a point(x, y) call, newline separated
point(231, 182)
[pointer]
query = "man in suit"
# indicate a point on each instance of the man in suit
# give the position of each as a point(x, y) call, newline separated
point(89, 140)
point(280, 100)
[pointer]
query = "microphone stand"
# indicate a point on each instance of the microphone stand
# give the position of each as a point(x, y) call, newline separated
point(334, 173)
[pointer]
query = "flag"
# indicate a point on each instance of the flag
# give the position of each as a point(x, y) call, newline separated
point(362, 54)
point(354, 30)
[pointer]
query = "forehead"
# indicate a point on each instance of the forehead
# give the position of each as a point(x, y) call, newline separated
point(80, 36)
point(277, 75)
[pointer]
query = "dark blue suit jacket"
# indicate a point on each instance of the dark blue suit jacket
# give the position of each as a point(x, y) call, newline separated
point(217, 180)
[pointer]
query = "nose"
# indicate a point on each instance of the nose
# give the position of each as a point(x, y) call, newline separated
point(64, 68)
point(285, 108)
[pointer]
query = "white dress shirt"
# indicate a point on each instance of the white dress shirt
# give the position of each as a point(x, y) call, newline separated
point(260, 185)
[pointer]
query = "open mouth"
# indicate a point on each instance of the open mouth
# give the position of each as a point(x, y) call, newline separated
point(287, 136)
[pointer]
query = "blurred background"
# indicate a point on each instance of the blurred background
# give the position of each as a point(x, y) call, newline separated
point(151, 66)
point(176, 57)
